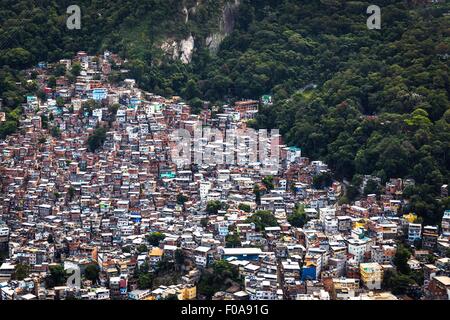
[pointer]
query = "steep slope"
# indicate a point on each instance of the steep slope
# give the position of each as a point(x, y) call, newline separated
point(366, 101)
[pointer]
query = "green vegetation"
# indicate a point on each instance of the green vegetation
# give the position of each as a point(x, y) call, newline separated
point(169, 271)
point(323, 180)
point(3, 255)
point(381, 105)
point(181, 199)
point(397, 282)
point(57, 276)
point(217, 278)
point(262, 219)
point(401, 280)
point(257, 192)
point(204, 222)
point(244, 207)
point(97, 139)
point(401, 258)
point(71, 193)
point(155, 238)
point(232, 240)
point(44, 121)
point(142, 248)
point(298, 218)
point(372, 187)
point(145, 279)
point(21, 271)
point(91, 272)
point(55, 132)
point(268, 182)
point(76, 69)
point(214, 206)
point(7, 128)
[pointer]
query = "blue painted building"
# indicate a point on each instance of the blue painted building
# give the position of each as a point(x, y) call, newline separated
point(309, 272)
point(99, 94)
point(242, 253)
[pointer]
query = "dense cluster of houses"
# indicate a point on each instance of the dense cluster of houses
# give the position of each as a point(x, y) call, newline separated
point(64, 204)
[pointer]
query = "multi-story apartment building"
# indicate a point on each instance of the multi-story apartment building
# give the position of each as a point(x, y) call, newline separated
point(445, 224)
point(414, 232)
point(344, 288)
point(429, 237)
point(371, 275)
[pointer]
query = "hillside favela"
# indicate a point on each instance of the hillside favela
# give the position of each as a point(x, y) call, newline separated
point(259, 150)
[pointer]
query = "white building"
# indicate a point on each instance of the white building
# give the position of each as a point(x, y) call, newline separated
point(414, 231)
point(205, 186)
point(445, 225)
point(331, 225)
point(325, 212)
point(357, 248)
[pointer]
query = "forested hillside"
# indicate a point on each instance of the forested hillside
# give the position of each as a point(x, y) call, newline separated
point(33, 31)
point(365, 101)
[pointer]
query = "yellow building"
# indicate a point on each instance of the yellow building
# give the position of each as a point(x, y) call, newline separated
point(156, 252)
point(359, 224)
point(371, 275)
point(410, 217)
point(155, 256)
point(188, 293)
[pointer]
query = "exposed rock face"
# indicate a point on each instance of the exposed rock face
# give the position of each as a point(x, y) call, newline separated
point(170, 48)
point(226, 26)
point(214, 40)
point(228, 16)
point(193, 10)
point(187, 49)
point(186, 13)
point(183, 49)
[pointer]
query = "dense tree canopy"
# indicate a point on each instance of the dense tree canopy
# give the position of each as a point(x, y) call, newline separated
point(262, 219)
point(213, 207)
point(155, 238)
point(21, 271)
point(92, 272)
point(97, 139)
point(56, 277)
point(298, 218)
point(217, 278)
